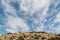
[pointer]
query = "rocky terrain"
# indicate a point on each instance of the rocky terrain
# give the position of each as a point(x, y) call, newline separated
point(30, 36)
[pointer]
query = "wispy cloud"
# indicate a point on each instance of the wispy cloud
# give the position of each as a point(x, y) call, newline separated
point(16, 23)
point(57, 18)
point(13, 23)
point(39, 15)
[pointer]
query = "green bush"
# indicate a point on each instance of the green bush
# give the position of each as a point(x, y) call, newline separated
point(20, 38)
point(56, 38)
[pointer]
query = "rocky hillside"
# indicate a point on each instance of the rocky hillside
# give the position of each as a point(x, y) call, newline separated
point(30, 36)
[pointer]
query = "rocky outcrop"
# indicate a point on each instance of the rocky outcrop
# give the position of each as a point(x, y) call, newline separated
point(30, 36)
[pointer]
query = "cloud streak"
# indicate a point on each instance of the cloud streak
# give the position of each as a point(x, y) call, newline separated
point(31, 15)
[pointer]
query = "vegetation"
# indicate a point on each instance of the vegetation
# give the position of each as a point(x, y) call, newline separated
point(30, 36)
point(56, 38)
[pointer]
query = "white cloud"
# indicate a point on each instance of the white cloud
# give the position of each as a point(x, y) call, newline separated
point(13, 23)
point(16, 23)
point(8, 8)
point(38, 4)
point(43, 15)
point(35, 5)
point(57, 19)
point(57, 29)
point(11, 30)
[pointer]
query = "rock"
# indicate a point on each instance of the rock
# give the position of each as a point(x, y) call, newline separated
point(30, 36)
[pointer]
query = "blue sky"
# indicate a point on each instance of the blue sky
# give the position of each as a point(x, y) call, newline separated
point(29, 15)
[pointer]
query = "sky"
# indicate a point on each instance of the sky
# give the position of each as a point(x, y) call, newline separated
point(29, 16)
